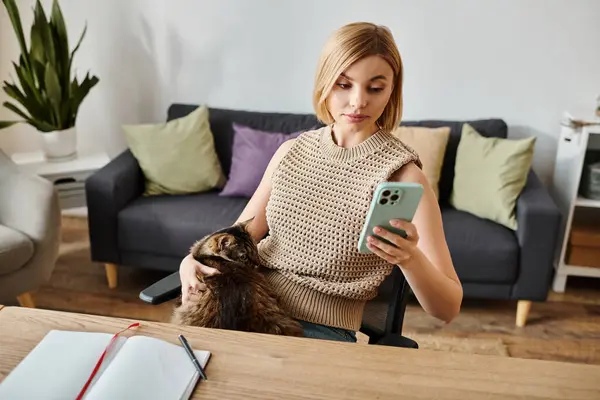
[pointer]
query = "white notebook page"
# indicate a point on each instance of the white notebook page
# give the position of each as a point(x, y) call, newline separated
point(148, 368)
point(58, 367)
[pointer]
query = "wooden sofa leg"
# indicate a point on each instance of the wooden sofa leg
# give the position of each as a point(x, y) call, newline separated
point(523, 307)
point(111, 275)
point(25, 300)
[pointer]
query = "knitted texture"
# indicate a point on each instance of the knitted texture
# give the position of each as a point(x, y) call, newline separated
point(319, 201)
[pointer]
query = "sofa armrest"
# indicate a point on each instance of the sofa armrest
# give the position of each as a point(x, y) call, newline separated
point(107, 192)
point(538, 220)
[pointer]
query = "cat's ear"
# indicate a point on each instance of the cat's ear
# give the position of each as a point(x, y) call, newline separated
point(244, 224)
point(224, 242)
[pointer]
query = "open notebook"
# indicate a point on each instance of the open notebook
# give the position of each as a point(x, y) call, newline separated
point(136, 367)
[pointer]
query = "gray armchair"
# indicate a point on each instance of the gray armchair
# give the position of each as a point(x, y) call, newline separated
point(30, 227)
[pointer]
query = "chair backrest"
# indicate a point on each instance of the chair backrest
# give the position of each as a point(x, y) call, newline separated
point(397, 307)
point(384, 315)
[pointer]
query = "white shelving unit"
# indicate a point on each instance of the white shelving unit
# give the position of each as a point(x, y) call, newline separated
point(67, 176)
point(583, 202)
point(572, 147)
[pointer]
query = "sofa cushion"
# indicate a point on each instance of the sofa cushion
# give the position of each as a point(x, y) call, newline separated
point(253, 149)
point(221, 125)
point(177, 157)
point(482, 251)
point(490, 174)
point(430, 144)
point(15, 249)
point(486, 127)
point(169, 225)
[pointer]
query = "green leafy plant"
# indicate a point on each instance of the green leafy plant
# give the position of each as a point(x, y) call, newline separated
point(49, 97)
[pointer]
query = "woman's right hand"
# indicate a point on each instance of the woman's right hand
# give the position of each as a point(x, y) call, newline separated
point(189, 269)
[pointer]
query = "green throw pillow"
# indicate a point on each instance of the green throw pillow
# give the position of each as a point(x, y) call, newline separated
point(178, 156)
point(490, 174)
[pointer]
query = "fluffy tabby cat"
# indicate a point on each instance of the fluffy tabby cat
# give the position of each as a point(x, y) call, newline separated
point(239, 297)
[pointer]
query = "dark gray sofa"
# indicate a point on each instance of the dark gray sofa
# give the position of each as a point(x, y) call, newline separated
point(156, 232)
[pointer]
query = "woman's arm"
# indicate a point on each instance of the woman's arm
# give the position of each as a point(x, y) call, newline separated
point(428, 268)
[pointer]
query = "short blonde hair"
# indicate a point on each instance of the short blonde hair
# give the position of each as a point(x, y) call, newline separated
point(347, 45)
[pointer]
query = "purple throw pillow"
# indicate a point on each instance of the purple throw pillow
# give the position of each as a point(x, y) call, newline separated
point(252, 150)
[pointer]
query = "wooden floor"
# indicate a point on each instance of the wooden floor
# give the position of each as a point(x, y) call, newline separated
point(566, 327)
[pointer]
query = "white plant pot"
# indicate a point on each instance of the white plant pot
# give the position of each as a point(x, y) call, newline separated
point(60, 145)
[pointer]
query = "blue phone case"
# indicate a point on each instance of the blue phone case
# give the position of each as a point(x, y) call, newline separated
point(385, 206)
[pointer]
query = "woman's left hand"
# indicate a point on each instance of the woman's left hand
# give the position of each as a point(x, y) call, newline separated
point(405, 249)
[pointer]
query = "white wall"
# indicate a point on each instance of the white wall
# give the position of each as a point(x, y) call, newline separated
point(525, 61)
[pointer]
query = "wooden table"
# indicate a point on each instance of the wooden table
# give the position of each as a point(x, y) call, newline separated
point(253, 366)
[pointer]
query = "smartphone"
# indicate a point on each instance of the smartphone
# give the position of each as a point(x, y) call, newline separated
point(391, 200)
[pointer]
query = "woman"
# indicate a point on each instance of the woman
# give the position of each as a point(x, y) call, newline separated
point(316, 191)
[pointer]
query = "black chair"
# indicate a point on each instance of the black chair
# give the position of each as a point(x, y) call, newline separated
point(382, 320)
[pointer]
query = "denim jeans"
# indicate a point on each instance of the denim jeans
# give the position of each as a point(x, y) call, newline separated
point(325, 332)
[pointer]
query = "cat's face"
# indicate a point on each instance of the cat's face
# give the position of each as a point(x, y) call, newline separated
point(233, 243)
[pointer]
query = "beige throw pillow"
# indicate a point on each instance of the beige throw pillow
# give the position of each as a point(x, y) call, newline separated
point(430, 144)
point(490, 174)
point(178, 156)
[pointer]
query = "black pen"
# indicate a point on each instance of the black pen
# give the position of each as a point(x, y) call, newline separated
point(192, 356)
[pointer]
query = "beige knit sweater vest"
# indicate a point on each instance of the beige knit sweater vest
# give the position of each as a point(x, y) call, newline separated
point(319, 201)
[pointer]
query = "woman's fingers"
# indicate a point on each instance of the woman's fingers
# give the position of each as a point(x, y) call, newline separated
point(206, 270)
point(408, 227)
point(196, 286)
point(395, 254)
point(393, 238)
point(392, 259)
point(185, 294)
point(189, 286)
point(190, 275)
point(380, 253)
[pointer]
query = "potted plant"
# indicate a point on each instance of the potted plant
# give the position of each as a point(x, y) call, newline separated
point(48, 97)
